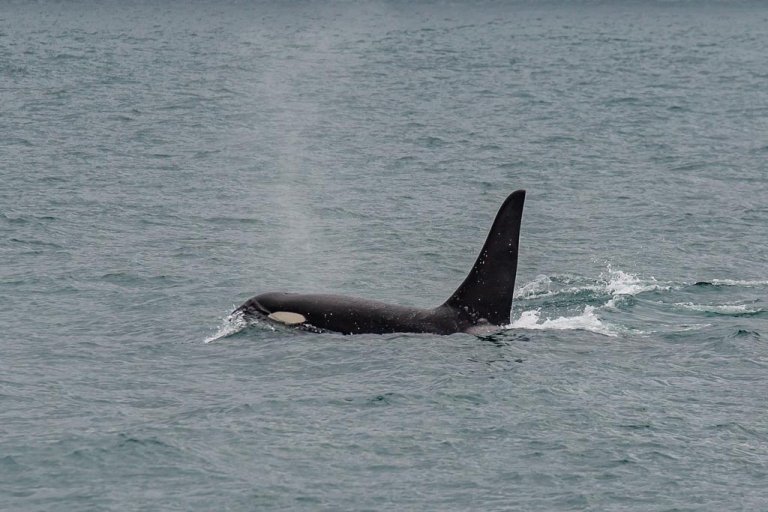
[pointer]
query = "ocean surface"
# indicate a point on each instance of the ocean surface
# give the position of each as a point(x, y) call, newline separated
point(162, 162)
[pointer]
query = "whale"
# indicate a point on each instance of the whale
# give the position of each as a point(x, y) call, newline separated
point(481, 304)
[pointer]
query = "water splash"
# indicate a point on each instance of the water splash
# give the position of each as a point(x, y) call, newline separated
point(618, 282)
point(540, 286)
point(586, 321)
point(232, 324)
point(611, 282)
point(555, 302)
point(612, 289)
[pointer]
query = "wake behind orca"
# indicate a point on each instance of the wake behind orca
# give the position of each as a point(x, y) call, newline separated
point(482, 303)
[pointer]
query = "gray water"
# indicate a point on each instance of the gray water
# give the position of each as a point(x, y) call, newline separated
point(160, 164)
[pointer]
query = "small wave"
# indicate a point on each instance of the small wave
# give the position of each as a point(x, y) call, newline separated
point(39, 243)
point(744, 333)
point(738, 282)
point(586, 321)
point(612, 291)
point(615, 283)
point(618, 282)
point(545, 286)
point(232, 324)
point(689, 327)
point(721, 309)
point(539, 287)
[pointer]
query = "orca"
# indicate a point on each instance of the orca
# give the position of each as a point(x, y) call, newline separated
point(481, 304)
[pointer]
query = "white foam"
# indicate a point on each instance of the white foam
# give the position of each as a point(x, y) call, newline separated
point(723, 309)
point(587, 321)
point(613, 286)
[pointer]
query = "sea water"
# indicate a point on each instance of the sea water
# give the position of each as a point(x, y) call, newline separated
point(161, 162)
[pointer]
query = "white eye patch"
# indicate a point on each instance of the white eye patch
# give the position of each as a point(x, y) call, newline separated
point(287, 318)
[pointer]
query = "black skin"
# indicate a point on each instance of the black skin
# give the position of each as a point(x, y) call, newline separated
point(483, 300)
point(350, 315)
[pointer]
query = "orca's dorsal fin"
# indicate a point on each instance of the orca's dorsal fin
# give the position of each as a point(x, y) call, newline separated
point(487, 291)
